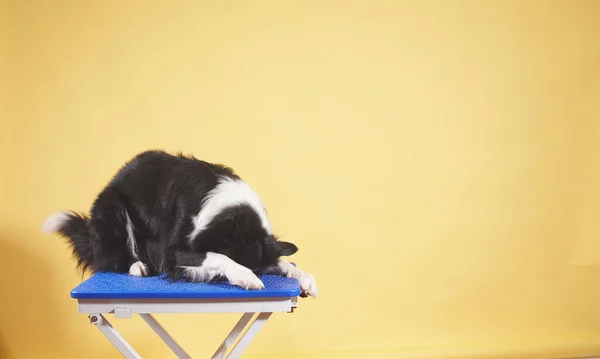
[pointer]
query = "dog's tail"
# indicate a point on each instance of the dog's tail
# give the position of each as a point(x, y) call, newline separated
point(74, 227)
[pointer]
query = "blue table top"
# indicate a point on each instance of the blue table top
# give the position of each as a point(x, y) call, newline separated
point(125, 286)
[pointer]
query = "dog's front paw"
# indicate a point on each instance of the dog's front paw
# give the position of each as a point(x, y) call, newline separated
point(245, 278)
point(308, 285)
point(177, 274)
point(138, 269)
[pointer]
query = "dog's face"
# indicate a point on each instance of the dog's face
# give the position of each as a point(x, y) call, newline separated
point(239, 234)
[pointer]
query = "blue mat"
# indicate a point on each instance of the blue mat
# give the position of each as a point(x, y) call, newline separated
point(125, 286)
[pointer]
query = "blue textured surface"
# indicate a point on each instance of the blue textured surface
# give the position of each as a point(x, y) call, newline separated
point(115, 285)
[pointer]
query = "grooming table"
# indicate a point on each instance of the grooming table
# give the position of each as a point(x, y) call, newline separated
point(124, 295)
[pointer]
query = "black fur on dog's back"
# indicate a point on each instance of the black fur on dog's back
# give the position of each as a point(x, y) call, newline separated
point(153, 199)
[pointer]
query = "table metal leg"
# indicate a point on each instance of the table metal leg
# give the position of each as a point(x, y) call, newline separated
point(247, 337)
point(222, 353)
point(235, 333)
point(164, 335)
point(113, 335)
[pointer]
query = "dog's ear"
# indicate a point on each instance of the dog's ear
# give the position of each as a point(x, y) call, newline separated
point(285, 248)
point(238, 223)
point(241, 225)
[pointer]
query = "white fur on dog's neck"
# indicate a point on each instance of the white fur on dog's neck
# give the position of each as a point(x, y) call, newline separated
point(227, 193)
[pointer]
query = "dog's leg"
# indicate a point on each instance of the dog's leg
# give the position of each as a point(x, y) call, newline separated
point(206, 267)
point(173, 238)
point(285, 268)
point(138, 268)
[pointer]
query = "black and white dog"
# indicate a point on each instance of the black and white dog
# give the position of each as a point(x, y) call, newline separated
point(182, 217)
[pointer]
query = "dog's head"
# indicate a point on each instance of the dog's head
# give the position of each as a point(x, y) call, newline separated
point(241, 234)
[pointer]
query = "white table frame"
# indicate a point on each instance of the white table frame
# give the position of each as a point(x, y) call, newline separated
point(256, 313)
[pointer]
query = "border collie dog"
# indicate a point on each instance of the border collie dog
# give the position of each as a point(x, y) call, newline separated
point(181, 217)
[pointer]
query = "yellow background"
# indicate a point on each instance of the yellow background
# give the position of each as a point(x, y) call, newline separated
point(437, 163)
